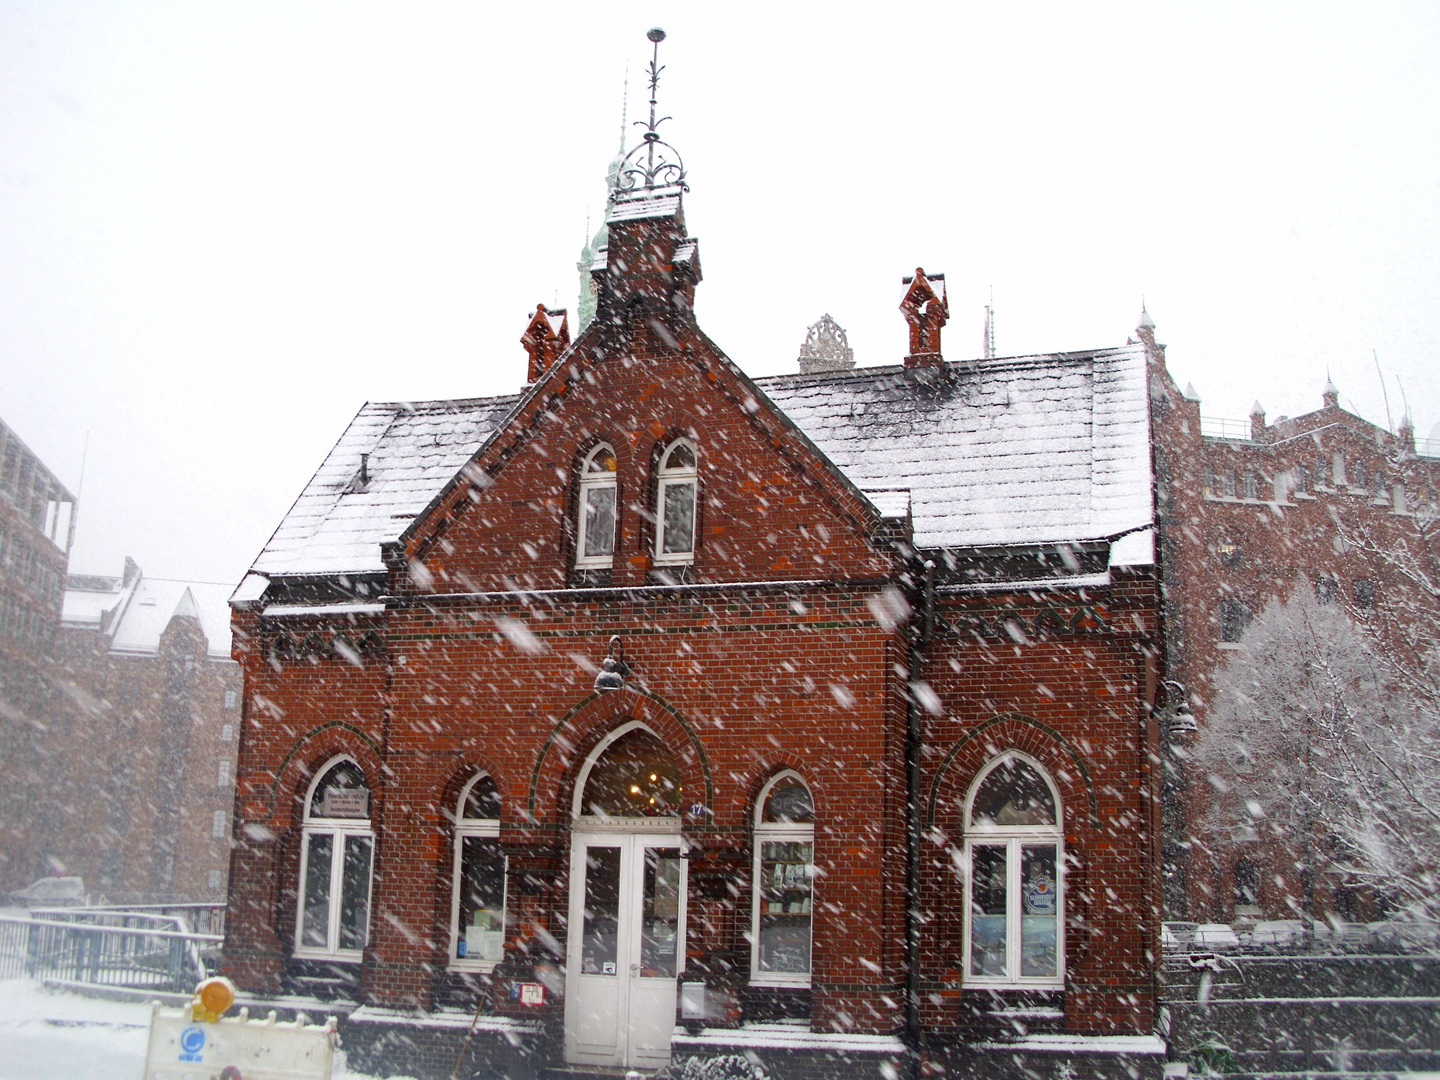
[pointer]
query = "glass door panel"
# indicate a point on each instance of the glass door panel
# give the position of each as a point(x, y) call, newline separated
point(600, 942)
point(660, 913)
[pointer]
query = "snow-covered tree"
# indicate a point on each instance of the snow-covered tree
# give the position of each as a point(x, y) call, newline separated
point(1320, 744)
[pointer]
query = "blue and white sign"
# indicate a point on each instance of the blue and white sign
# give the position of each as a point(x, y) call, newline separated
point(1040, 896)
point(192, 1041)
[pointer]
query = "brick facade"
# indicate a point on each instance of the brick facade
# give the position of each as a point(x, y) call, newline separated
point(809, 633)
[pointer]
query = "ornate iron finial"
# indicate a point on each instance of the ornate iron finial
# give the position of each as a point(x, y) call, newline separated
point(826, 348)
point(654, 163)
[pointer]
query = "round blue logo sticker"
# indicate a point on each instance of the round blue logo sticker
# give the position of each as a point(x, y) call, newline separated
point(1040, 896)
point(192, 1039)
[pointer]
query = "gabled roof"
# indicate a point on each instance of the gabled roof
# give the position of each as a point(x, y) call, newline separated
point(1008, 451)
point(413, 450)
point(1002, 452)
point(132, 614)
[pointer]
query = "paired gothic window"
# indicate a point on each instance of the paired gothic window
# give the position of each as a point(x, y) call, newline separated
point(675, 505)
point(1014, 849)
point(337, 849)
point(477, 900)
point(780, 923)
point(598, 507)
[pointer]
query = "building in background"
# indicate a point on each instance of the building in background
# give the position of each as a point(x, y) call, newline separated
point(149, 747)
point(37, 526)
point(1251, 512)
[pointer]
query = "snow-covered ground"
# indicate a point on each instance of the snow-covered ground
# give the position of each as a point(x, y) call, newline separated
point(46, 1035)
point(49, 1035)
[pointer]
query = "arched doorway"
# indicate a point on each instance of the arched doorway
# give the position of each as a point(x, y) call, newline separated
point(627, 903)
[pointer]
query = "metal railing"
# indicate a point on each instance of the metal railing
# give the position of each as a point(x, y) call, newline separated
point(141, 954)
point(190, 918)
point(1222, 427)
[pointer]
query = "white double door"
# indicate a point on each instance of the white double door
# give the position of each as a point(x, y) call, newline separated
point(626, 946)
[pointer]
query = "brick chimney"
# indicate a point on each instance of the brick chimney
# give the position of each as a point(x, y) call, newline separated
point(1257, 422)
point(545, 339)
point(926, 310)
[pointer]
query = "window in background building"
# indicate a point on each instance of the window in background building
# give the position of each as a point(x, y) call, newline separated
point(215, 880)
point(597, 509)
point(1247, 884)
point(1014, 849)
point(1357, 475)
point(1234, 617)
point(1252, 486)
point(229, 699)
point(675, 505)
point(227, 732)
point(217, 825)
point(782, 916)
point(222, 775)
point(477, 904)
point(1364, 593)
point(333, 915)
point(1326, 589)
point(1227, 483)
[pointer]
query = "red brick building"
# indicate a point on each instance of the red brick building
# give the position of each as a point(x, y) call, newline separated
point(149, 751)
point(1252, 511)
point(37, 524)
point(825, 695)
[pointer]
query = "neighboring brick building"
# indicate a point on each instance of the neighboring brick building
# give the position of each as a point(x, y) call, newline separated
point(1251, 512)
point(149, 754)
point(37, 525)
point(655, 666)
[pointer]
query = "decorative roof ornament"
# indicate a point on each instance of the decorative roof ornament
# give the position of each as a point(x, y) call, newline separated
point(654, 163)
point(826, 348)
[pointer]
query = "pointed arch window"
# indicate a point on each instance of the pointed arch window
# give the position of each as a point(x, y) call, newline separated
point(1014, 850)
point(336, 854)
point(675, 505)
point(597, 504)
point(781, 920)
point(477, 899)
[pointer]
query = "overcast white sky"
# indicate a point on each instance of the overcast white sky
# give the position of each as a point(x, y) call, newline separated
point(223, 227)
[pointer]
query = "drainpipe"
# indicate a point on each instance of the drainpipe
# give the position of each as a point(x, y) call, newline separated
point(922, 628)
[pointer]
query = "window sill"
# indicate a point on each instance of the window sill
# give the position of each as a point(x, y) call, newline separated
point(1013, 984)
point(482, 967)
point(329, 957)
point(778, 979)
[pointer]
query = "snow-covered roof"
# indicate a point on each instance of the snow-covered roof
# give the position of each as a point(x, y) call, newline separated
point(644, 202)
point(135, 610)
point(1009, 451)
point(414, 448)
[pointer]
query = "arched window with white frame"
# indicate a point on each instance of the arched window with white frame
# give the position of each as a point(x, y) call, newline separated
point(477, 899)
point(675, 496)
point(781, 919)
point(1014, 852)
point(596, 506)
point(336, 856)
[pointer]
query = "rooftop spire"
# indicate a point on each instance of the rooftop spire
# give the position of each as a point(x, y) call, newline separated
point(654, 163)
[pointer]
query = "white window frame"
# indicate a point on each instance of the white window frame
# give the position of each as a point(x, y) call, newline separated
point(590, 482)
point(1015, 837)
point(472, 827)
point(342, 829)
point(774, 832)
point(669, 478)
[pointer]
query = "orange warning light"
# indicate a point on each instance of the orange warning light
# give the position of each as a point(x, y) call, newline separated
point(212, 998)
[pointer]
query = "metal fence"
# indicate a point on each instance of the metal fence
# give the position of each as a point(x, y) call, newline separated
point(120, 949)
